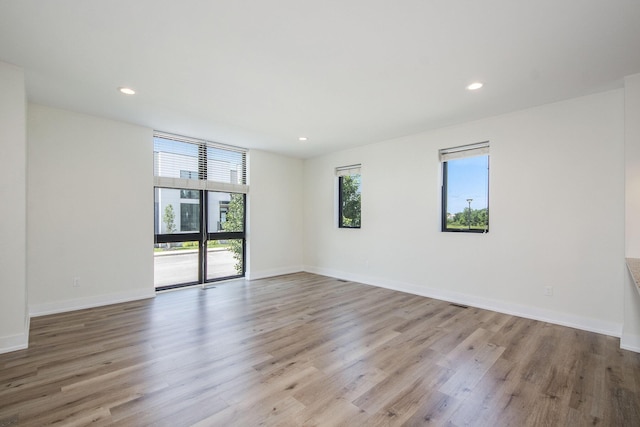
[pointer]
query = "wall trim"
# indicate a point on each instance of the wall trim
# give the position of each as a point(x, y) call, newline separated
point(263, 274)
point(630, 342)
point(54, 307)
point(16, 342)
point(528, 312)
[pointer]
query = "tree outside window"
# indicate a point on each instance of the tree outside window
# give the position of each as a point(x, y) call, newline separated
point(169, 218)
point(235, 222)
point(349, 201)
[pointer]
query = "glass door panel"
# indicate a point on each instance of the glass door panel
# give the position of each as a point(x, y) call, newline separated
point(225, 248)
point(199, 236)
point(224, 258)
point(175, 263)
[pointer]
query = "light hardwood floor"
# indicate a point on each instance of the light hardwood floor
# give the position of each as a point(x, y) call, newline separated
point(303, 349)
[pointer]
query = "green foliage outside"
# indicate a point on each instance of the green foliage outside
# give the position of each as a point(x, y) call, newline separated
point(351, 199)
point(211, 244)
point(235, 222)
point(478, 218)
point(169, 219)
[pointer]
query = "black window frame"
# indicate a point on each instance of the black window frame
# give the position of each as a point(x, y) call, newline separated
point(202, 236)
point(341, 217)
point(444, 189)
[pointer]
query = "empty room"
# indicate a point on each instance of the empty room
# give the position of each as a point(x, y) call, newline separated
point(293, 213)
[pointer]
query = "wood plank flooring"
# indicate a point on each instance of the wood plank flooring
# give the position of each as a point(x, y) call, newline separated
point(305, 350)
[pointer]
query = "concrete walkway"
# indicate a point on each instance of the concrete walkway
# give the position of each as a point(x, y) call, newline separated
point(182, 266)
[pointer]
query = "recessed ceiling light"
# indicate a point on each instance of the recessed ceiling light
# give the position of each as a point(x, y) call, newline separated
point(127, 91)
point(475, 86)
point(303, 138)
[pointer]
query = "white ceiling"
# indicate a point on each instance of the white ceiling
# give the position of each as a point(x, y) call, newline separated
point(259, 74)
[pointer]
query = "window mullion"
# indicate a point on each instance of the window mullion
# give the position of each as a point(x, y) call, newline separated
point(203, 236)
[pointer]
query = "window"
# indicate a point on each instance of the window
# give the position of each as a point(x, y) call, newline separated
point(195, 164)
point(200, 199)
point(172, 216)
point(349, 196)
point(465, 188)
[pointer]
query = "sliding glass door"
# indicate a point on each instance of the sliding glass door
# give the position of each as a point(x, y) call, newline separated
point(195, 241)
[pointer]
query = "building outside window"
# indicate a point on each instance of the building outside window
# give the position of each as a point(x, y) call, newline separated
point(189, 217)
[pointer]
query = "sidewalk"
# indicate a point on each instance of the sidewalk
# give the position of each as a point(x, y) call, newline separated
point(170, 252)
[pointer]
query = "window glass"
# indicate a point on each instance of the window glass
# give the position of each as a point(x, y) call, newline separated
point(226, 212)
point(175, 159)
point(193, 159)
point(224, 258)
point(349, 189)
point(225, 165)
point(175, 263)
point(175, 213)
point(466, 194)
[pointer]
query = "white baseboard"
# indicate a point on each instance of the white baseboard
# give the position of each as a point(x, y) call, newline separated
point(627, 342)
point(263, 274)
point(54, 307)
point(16, 342)
point(630, 342)
point(528, 312)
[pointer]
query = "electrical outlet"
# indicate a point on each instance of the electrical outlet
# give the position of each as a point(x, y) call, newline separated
point(548, 290)
point(76, 282)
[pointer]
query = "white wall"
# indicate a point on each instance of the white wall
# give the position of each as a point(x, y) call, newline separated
point(90, 210)
point(274, 213)
point(556, 216)
point(14, 321)
point(557, 213)
point(632, 165)
point(631, 333)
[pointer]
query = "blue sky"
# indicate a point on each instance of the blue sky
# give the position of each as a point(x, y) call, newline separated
point(468, 179)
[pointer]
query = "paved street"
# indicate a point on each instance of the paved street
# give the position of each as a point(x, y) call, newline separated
point(182, 266)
